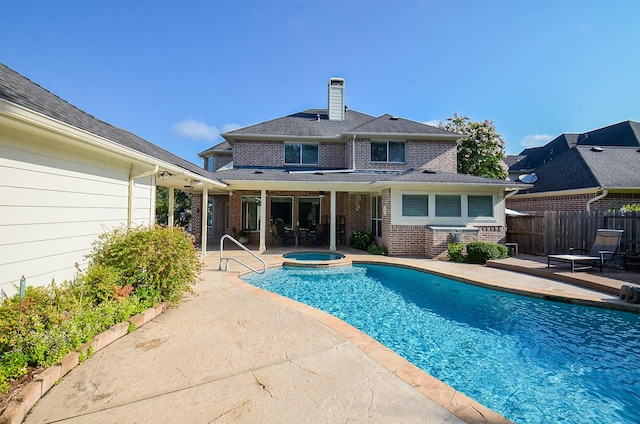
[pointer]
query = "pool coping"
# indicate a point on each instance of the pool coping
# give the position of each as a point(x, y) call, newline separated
point(459, 404)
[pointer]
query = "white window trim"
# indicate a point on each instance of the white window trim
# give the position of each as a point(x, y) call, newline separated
point(398, 219)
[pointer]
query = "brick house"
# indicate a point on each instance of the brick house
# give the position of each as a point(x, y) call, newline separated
point(597, 170)
point(337, 170)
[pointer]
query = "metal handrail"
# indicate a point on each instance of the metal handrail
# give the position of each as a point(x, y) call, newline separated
point(226, 268)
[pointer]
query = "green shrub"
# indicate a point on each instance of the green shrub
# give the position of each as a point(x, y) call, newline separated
point(479, 252)
point(455, 251)
point(361, 239)
point(160, 263)
point(374, 249)
point(130, 270)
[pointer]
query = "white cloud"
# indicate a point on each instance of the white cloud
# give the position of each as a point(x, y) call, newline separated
point(195, 130)
point(230, 127)
point(536, 140)
point(433, 122)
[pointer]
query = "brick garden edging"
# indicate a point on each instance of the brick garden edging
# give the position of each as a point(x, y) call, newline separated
point(18, 408)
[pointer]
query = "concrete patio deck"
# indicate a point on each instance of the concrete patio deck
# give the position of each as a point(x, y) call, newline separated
point(236, 353)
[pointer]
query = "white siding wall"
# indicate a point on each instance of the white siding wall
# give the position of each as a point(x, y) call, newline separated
point(54, 203)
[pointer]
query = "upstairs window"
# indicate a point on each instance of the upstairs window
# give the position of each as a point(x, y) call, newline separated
point(300, 154)
point(387, 151)
point(480, 206)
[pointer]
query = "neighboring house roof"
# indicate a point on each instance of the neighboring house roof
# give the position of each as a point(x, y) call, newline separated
point(19, 90)
point(316, 123)
point(536, 156)
point(626, 133)
point(586, 167)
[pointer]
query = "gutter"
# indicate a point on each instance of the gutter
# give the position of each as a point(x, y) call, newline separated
point(130, 196)
point(602, 195)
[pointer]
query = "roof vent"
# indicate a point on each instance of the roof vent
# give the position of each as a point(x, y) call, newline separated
point(428, 171)
point(597, 149)
point(336, 99)
point(257, 172)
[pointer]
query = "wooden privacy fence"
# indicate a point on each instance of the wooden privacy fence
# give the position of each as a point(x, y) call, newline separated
point(556, 231)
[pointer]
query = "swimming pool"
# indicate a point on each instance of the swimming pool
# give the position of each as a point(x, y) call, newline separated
point(314, 256)
point(531, 360)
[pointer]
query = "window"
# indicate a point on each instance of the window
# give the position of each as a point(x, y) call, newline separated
point(209, 164)
point(305, 154)
point(250, 213)
point(308, 212)
point(387, 151)
point(376, 216)
point(448, 205)
point(480, 206)
point(281, 210)
point(415, 205)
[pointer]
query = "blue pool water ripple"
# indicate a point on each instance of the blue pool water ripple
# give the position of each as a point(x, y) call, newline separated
point(532, 361)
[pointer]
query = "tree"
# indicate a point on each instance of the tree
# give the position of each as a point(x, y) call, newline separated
point(182, 203)
point(481, 150)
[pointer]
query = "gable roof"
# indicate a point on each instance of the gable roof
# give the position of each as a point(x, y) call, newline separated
point(315, 123)
point(21, 91)
point(586, 167)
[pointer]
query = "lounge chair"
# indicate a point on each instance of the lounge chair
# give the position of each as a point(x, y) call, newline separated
point(604, 248)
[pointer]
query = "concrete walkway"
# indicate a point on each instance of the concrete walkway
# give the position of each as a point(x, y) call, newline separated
point(229, 356)
point(235, 353)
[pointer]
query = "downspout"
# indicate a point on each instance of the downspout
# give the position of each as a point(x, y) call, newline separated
point(130, 199)
point(511, 193)
point(602, 195)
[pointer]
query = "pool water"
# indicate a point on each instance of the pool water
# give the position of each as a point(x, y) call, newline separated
point(531, 360)
point(313, 256)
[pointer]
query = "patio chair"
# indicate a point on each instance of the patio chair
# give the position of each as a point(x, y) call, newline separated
point(604, 248)
point(280, 235)
point(316, 238)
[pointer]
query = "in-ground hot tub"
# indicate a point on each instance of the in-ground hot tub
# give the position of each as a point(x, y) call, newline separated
point(314, 259)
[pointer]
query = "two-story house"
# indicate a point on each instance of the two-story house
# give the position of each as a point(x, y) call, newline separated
point(336, 170)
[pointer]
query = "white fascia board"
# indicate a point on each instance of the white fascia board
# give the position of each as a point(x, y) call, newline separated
point(590, 190)
point(276, 137)
point(296, 185)
point(391, 184)
point(24, 117)
point(409, 136)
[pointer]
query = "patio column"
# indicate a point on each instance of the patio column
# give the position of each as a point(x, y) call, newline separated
point(332, 222)
point(172, 207)
point(263, 221)
point(204, 212)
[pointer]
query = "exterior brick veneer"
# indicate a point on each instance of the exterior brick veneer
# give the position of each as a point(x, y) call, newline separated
point(575, 202)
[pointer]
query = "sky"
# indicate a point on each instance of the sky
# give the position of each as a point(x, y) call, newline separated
point(180, 73)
